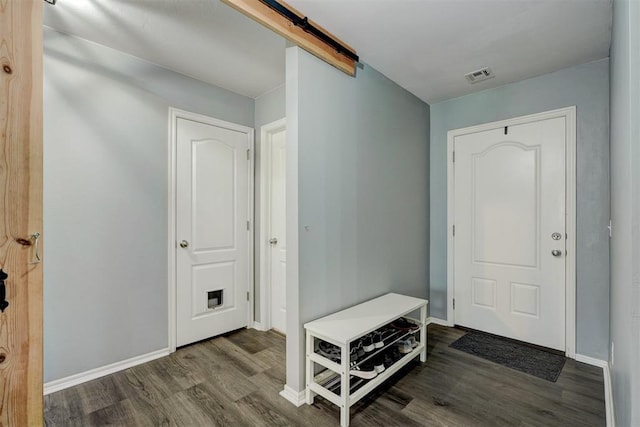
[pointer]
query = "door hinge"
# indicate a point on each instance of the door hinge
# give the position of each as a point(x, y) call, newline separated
point(454, 303)
point(247, 295)
point(610, 227)
point(454, 157)
point(248, 154)
point(248, 225)
point(454, 230)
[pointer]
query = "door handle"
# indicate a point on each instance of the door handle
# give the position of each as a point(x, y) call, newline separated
point(3, 291)
point(273, 241)
point(184, 244)
point(556, 252)
point(36, 248)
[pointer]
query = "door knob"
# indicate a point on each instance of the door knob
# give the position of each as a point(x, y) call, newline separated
point(184, 244)
point(273, 241)
point(556, 252)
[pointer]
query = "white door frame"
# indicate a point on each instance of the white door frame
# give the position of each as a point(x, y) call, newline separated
point(266, 132)
point(569, 114)
point(174, 115)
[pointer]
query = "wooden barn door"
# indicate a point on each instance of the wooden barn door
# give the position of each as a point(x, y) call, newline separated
point(21, 212)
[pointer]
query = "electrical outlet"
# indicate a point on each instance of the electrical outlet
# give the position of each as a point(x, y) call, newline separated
point(612, 348)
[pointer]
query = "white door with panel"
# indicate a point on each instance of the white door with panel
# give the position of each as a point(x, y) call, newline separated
point(277, 229)
point(509, 250)
point(212, 229)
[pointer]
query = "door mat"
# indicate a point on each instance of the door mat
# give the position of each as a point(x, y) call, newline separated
point(521, 357)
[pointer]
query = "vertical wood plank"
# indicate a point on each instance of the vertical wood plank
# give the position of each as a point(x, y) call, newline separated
point(21, 374)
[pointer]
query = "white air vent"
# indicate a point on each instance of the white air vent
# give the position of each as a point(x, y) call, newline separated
point(479, 75)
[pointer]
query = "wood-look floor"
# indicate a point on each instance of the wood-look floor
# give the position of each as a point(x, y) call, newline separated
point(235, 380)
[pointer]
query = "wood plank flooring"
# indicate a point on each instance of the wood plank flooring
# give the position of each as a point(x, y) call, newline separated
point(234, 380)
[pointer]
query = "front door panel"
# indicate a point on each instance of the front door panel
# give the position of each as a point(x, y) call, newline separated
point(509, 201)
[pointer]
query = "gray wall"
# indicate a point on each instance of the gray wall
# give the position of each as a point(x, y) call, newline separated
point(269, 107)
point(363, 190)
point(625, 212)
point(587, 87)
point(105, 199)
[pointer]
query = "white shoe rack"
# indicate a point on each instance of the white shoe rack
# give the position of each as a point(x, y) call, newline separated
point(343, 329)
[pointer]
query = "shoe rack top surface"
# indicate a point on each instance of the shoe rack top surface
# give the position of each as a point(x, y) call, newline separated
point(346, 325)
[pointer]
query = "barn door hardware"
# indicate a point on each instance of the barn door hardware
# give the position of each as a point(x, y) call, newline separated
point(3, 291)
point(303, 23)
point(294, 26)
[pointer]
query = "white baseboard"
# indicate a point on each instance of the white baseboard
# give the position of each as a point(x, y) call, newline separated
point(437, 321)
point(259, 326)
point(592, 361)
point(608, 396)
point(83, 377)
point(297, 398)
point(608, 390)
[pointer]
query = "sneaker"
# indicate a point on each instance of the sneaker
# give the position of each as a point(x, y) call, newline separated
point(368, 343)
point(329, 351)
point(378, 341)
point(404, 325)
point(365, 371)
point(378, 364)
point(404, 346)
point(357, 352)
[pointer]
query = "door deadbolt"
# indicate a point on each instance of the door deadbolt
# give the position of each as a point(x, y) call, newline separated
point(184, 244)
point(556, 236)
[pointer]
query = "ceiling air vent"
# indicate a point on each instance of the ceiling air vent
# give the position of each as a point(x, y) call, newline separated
point(479, 75)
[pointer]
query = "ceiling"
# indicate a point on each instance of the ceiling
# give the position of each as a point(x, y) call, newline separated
point(426, 46)
point(203, 39)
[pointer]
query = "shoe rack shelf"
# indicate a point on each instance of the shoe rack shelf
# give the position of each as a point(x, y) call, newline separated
point(345, 330)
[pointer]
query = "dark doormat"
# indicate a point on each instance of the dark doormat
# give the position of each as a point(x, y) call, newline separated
point(522, 357)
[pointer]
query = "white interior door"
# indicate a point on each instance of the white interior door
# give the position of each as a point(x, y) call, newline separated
point(213, 237)
point(277, 230)
point(509, 255)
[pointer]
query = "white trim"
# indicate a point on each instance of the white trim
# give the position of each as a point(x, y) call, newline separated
point(592, 361)
point(437, 321)
point(259, 327)
point(92, 374)
point(569, 113)
point(297, 398)
point(265, 213)
point(608, 396)
point(175, 114)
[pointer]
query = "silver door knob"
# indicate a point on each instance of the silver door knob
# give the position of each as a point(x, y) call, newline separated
point(273, 241)
point(556, 252)
point(184, 244)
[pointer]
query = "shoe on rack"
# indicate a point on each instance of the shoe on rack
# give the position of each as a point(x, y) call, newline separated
point(329, 351)
point(368, 343)
point(378, 340)
point(365, 371)
point(404, 325)
point(404, 346)
point(378, 363)
point(357, 351)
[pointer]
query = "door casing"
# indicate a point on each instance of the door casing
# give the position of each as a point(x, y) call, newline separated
point(174, 115)
point(569, 113)
point(265, 213)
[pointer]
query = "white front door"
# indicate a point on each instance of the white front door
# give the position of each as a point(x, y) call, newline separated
point(212, 229)
point(277, 230)
point(509, 250)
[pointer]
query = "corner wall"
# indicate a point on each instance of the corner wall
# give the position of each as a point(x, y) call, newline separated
point(362, 149)
point(625, 212)
point(105, 199)
point(587, 87)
